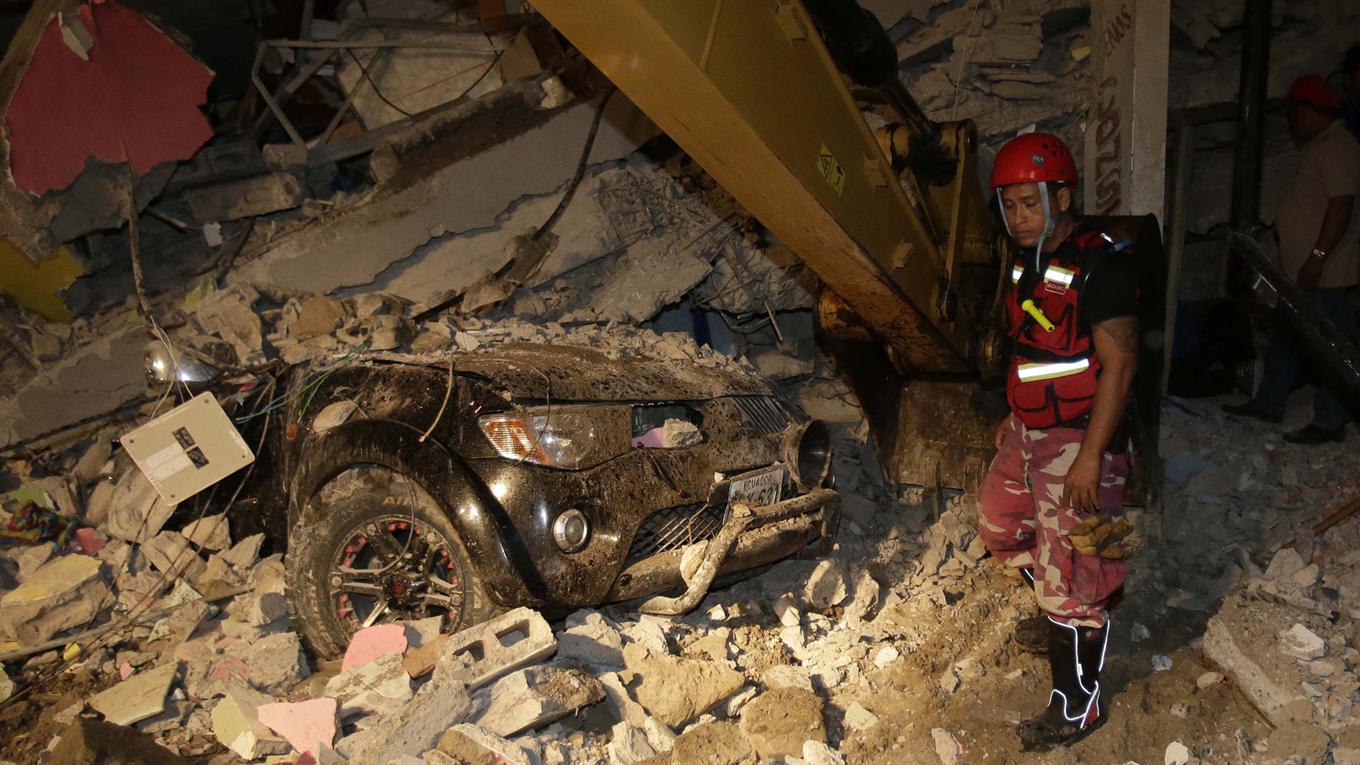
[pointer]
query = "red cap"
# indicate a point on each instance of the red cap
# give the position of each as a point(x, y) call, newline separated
point(1311, 89)
point(1034, 157)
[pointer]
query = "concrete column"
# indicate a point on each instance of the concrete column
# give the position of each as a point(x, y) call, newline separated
point(1125, 171)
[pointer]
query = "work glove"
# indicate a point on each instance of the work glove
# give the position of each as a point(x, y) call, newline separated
point(1101, 535)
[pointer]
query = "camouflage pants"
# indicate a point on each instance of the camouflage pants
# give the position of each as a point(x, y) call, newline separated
point(1022, 520)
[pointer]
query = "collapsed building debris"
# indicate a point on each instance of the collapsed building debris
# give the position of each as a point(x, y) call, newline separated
point(155, 618)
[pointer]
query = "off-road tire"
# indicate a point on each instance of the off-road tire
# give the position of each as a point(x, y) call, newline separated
point(315, 544)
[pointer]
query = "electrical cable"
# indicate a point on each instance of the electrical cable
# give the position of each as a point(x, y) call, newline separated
point(373, 84)
point(580, 168)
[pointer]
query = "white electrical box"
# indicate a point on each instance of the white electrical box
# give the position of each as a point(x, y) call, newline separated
point(188, 449)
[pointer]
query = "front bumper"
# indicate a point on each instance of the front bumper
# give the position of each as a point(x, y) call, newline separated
point(751, 537)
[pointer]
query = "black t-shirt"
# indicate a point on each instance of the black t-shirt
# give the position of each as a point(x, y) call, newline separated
point(1111, 282)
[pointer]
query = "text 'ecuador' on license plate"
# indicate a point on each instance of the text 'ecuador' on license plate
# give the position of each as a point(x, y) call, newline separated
point(757, 489)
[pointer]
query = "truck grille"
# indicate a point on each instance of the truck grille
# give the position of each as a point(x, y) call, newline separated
point(762, 414)
point(673, 528)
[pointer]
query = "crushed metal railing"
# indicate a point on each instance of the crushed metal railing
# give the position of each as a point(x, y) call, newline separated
point(279, 98)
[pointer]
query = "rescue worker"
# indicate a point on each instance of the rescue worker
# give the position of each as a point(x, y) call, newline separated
point(1051, 504)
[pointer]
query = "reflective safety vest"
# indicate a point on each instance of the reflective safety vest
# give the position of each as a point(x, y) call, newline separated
point(1052, 379)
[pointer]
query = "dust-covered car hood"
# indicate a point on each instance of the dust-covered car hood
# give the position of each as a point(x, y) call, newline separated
point(574, 373)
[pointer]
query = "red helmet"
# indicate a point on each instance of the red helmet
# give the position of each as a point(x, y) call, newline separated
point(1033, 158)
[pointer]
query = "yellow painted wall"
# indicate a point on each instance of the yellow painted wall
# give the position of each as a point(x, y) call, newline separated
point(35, 285)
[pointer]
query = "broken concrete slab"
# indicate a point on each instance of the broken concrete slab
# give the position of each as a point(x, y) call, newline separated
point(415, 727)
point(236, 724)
point(628, 744)
point(675, 690)
point(621, 704)
point(826, 585)
point(534, 697)
point(352, 248)
point(717, 743)
point(269, 601)
point(229, 314)
point(272, 664)
point(786, 676)
point(858, 718)
point(374, 687)
point(245, 197)
point(589, 638)
point(87, 381)
point(422, 660)
point(372, 643)
point(1302, 643)
point(468, 743)
point(309, 726)
point(778, 722)
point(483, 652)
point(1235, 638)
point(140, 697)
point(209, 533)
point(242, 555)
point(62, 594)
point(170, 553)
point(136, 512)
point(818, 753)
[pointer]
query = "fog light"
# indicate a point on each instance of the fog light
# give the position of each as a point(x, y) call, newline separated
point(807, 452)
point(571, 531)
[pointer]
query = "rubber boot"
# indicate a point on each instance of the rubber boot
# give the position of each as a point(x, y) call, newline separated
point(1031, 633)
point(1075, 656)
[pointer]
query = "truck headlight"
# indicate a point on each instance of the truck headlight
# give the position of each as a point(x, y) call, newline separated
point(807, 452)
point(569, 437)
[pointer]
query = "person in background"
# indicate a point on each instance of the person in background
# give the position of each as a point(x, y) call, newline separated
point(1319, 247)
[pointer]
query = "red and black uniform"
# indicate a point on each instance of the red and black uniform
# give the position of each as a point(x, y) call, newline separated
point(1022, 515)
point(1088, 279)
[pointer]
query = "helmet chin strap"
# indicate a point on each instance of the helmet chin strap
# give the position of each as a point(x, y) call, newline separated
point(1049, 223)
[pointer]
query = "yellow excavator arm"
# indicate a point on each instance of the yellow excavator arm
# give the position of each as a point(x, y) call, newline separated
point(750, 91)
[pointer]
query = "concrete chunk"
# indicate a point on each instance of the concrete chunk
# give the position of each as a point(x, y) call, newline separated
point(415, 727)
point(1232, 640)
point(786, 676)
point(170, 554)
point(272, 664)
point(534, 697)
point(136, 511)
point(628, 744)
point(372, 643)
point(826, 586)
point(1302, 643)
point(210, 533)
point(859, 718)
point(592, 641)
point(62, 594)
point(378, 686)
point(779, 721)
point(481, 653)
point(473, 744)
point(242, 555)
point(308, 725)
point(137, 698)
point(677, 690)
point(236, 724)
point(719, 743)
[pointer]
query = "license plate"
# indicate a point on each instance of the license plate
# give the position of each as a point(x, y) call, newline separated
point(757, 489)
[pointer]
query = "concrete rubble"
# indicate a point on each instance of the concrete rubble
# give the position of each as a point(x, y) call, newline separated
point(883, 652)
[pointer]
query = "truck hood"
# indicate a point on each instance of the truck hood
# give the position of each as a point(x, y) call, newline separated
point(574, 373)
